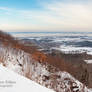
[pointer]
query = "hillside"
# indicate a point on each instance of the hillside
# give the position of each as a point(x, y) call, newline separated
point(38, 66)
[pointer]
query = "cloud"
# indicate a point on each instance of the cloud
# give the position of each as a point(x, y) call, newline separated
point(4, 8)
point(54, 16)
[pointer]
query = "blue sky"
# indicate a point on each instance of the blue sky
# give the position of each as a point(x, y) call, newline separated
point(20, 4)
point(46, 15)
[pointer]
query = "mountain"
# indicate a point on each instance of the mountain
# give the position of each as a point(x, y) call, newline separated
point(35, 65)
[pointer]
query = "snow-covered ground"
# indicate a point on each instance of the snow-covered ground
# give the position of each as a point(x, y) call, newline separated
point(74, 50)
point(88, 61)
point(12, 82)
point(44, 74)
point(67, 42)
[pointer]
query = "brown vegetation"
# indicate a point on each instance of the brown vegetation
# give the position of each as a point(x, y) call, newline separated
point(8, 40)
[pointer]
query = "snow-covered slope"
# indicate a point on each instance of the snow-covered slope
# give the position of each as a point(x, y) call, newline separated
point(42, 73)
point(17, 83)
point(25, 61)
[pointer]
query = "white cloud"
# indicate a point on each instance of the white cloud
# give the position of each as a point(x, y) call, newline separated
point(5, 8)
point(55, 16)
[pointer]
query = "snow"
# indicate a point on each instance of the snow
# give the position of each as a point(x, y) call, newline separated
point(61, 39)
point(88, 61)
point(89, 53)
point(74, 50)
point(35, 71)
point(18, 83)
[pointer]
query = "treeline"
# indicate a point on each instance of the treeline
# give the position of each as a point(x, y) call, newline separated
point(70, 63)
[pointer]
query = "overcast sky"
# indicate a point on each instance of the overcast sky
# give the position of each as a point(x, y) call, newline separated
point(46, 15)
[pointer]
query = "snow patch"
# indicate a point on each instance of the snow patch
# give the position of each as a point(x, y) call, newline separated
point(88, 61)
point(22, 84)
point(74, 50)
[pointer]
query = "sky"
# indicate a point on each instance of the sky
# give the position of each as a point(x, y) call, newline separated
point(46, 15)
